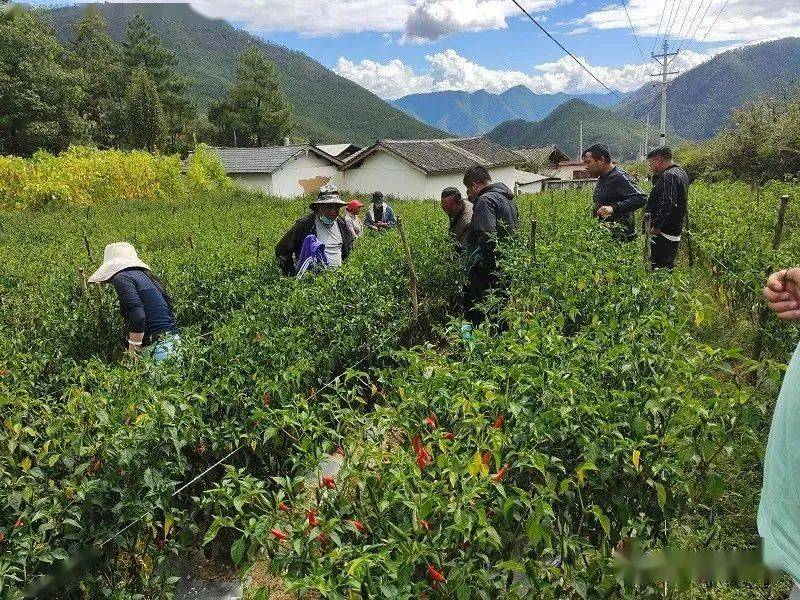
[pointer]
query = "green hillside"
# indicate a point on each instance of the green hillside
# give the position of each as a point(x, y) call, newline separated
point(622, 135)
point(328, 108)
point(702, 100)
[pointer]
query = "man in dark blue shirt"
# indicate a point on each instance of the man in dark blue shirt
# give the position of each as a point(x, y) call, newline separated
point(667, 206)
point(616, 195)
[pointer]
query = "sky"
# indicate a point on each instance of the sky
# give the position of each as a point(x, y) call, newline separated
point(400, 47)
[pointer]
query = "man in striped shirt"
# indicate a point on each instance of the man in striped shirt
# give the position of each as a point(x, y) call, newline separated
point(667, 205)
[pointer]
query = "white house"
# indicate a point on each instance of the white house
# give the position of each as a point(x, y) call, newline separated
point(423, 168)
point(542, 159)
point(529, 183)
point(340, 151)
point(283, 171)
point(570, 170)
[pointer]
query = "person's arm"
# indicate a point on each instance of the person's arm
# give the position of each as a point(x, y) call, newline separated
point(632, 196)
point(130, 305)
point(388, 216)
point(368, 222)
point(284, 250)
point(782, 293)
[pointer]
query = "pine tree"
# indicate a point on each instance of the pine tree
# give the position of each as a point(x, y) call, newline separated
point(143, 48)
point(145, 126)
point(98, 60)
point(257, 105)
point(38, 94)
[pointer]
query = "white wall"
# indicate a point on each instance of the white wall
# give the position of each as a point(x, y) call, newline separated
point(304, 175)
point(387, 173)
point(257, 182)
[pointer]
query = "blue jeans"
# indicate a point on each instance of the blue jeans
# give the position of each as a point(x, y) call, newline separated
point(167, 347)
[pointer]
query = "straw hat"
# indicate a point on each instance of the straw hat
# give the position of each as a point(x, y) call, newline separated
point(116, 257)
point(328, 194)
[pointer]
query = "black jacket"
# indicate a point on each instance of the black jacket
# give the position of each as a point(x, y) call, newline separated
point(618, 190)
point(667, 203)
point(494, 215)
point(288, 249)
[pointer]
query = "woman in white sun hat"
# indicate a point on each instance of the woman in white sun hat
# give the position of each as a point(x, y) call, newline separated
point(143, 301)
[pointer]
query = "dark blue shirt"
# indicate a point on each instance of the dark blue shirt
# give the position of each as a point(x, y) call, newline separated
point(143, 305)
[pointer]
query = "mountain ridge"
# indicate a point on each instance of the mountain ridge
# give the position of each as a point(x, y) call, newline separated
point(328, 108)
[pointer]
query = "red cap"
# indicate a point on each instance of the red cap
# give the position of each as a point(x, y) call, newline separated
point(354, 205)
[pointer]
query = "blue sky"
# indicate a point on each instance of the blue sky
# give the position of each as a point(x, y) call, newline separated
point(396, 47)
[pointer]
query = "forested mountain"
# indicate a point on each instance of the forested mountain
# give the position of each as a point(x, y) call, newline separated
point(560, 127)
point(701, 100)
point(464, 113)
point(328, 108)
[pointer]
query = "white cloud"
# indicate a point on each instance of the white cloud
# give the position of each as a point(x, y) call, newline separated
point(450, 71)
point(387, 39)
point(740, 20)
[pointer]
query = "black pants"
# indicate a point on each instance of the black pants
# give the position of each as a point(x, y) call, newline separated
point(482, 281)
point(663, 252)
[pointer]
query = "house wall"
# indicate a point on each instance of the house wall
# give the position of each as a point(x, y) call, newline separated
point(256, 182)
point(569, 172)
point(303, 176)
point(387, 173)
point(528, 188)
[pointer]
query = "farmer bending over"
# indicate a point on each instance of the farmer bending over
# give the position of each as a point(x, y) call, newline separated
point(616, 196)
point(143, 301)
point(321, 236)
point(460, 213)
point(779, 510)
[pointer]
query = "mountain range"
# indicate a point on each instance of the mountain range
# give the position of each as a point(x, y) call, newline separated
point(701, 100)
point(466, 114)
point(327, 107)
point(560, 127)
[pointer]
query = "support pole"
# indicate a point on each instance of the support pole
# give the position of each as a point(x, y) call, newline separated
point(776, 239)
point(413, 283)
point(647, 238)
point(532, 241)
point(88, 247)
point(82, 282)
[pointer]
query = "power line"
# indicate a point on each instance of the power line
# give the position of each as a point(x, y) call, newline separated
point(671, 22)
point(560, 45)
point(660, 21)
point(724, 4)
point(685, 16)
point(700, 22)
point(636, 37)
point(691, 23)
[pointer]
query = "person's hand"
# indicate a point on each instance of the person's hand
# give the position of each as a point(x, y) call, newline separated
point(782, 292)
point(655, 231)
point(605, 211)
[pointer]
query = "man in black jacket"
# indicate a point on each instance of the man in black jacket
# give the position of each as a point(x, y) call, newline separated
point(494, 217)
point(667, 206)
point(325, 223)
point(616, 196)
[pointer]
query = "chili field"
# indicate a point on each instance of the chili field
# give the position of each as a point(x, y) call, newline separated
point(616, 404)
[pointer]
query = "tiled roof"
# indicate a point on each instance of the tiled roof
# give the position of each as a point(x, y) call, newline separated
point(259, 160)
point(541, 155)
point(446, 155)
point(337, 149)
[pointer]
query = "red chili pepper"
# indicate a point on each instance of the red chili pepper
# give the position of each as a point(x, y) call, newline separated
point(423, 458)
point(498, 422)
point(19, 523)
point(425, 524)
point(435, 575)
point(328, 482)
point(431, 420)
point(279, 535)
point(312, 518)
point(498, 477)
point(322, 538)
point(448, 436)
point(486, 458)
point(416, 443)
point(266, 400)
point(283, 506)
point(358, 525)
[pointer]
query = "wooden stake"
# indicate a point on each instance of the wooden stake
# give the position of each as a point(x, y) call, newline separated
point(532, 241)
point(87, 212)
point(689, 247)
point(191, 242)
point(88, 247)
point(647, 238)
point(82, 281)
point(258, 248)
point(776, 239)
point(413, 283)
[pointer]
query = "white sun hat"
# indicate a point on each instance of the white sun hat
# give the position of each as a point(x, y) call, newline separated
point(116, 257)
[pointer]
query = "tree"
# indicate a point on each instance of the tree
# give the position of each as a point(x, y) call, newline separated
point(145, 126)
point(99, 61)
point(38, 94)
point(256, 102)
point(143, 48)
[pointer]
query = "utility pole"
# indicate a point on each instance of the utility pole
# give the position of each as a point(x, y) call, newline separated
point(663, 61)
point(580, 141)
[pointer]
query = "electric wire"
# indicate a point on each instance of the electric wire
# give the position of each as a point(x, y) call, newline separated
point(635, 36)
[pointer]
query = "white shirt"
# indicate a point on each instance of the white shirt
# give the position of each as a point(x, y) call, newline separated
point(332, 238)
point(353, 224)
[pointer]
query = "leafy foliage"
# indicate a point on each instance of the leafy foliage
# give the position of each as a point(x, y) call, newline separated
point(144, 114)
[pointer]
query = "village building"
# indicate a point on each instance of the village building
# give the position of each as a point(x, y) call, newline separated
point(282, 171)
point(423, 168)
point(542, 159)
point(340, 151)
point(526, 182)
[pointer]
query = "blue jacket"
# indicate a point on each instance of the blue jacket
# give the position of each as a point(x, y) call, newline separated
point(388, 216)
point(143, 304)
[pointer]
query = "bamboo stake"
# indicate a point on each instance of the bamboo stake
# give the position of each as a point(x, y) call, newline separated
point(88, 247)
point(413, 283)
point(82, 281)
point(776, 239)
point(532, 241)
point(646, 251)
